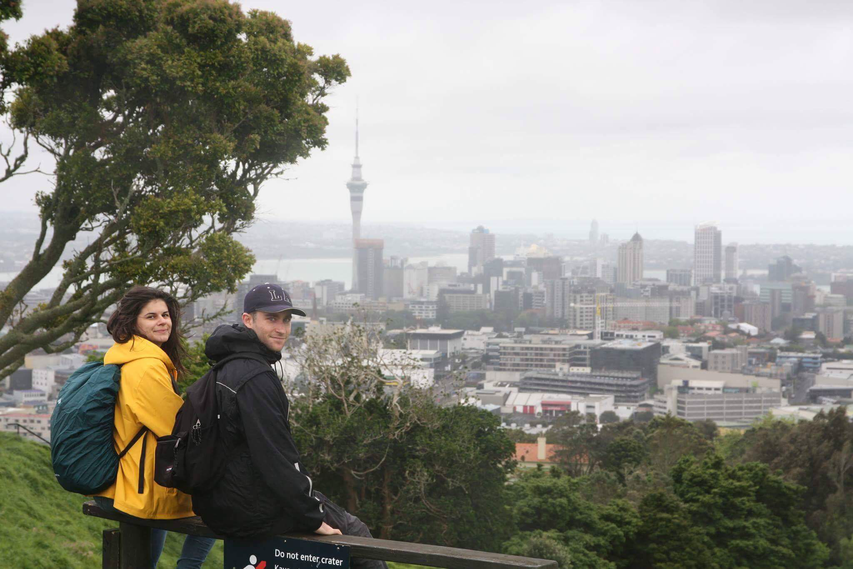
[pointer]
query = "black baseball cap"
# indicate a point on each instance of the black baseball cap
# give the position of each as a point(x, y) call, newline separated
point(269, 297)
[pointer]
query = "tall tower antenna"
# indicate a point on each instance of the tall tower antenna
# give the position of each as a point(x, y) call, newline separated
point(356, 186)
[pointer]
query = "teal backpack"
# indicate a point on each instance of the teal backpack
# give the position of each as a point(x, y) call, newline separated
point(81, 430)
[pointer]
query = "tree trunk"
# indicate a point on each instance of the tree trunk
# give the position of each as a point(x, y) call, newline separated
point(387, 522)
point(351, 490)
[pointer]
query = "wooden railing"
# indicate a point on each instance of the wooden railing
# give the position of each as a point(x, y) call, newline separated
point(130, 546)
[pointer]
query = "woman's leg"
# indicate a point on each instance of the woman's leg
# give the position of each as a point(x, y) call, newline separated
point(158, 540)
point(195, 551)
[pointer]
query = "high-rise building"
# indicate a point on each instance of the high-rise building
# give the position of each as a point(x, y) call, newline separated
point(707, 254)
point(630, 264)
point(326, 290)
point(782, 269)
point(550, 267)
point(481, 249)
point(731, 262)
point(356, 186)
point(369, 267)
point(394, 277)
point(680, 277)
point(593, 232)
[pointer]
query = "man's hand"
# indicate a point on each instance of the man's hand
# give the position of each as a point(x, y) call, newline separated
point(326, 529)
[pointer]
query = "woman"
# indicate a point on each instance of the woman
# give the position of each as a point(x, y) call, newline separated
point(145, 327)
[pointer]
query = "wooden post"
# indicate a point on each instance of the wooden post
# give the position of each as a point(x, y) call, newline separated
point(135, 546)
point(112, 549)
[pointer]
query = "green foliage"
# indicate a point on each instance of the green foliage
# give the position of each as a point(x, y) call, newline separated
point(591, 535)
point(164, 119)
point(750, 515)
point(195, 362)
point(43, 522)
point(519, 436)
point(412, 470)
point(817, 455)
point(608, 417)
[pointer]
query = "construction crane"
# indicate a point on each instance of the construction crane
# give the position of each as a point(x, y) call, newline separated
point(596, 335)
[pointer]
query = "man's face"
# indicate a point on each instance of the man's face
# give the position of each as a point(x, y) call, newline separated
point(272, 328)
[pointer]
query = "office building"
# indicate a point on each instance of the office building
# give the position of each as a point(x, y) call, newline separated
point(701, 400)
point(544, 353)
point(782, 269)
point(630, 262)
point(458, 300)
point(394, 277)
point(423, 309)
point(758, 314)
point(627, 355)
point(731, 271)
point(730, 360)
point(830, 322)
point(326, 290)
point(593, 233)
point(625, 386)
point(707, 254)
point(369, 267)
point(550, 267)
point(680, 277)
point(480, 250)
point(448, 342)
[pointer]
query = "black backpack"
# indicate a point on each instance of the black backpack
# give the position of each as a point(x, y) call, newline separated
point(193, 457)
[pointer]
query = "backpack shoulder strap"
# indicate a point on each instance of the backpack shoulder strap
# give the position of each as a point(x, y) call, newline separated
point(242, 356)
point(132, 442)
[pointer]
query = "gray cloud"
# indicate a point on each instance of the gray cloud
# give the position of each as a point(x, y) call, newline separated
point(660, 110)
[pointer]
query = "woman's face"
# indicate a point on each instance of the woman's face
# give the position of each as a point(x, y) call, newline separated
point(154, 322)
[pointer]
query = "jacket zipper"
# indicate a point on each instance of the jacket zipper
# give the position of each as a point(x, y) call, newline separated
point(141, 488)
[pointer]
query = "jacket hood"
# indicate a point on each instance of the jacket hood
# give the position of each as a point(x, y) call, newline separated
point(136, 348)
point(234, 339)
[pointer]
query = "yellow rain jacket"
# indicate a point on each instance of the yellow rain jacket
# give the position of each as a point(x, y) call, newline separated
point(147, 398)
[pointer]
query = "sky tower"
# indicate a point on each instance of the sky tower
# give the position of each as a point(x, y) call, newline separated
point(356, 186)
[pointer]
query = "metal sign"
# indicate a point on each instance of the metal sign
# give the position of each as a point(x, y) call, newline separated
point(285, 553)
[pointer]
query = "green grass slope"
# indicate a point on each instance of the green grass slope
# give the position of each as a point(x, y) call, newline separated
point(42, 525)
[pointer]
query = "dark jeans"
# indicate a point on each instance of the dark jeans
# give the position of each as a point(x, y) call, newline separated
point(340, 519)
point(193, 553)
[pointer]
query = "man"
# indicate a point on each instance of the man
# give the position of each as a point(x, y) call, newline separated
point(265, 489)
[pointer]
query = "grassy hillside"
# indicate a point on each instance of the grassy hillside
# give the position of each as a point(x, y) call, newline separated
point(43, 525)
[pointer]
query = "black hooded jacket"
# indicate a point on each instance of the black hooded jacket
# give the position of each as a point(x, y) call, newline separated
point(265, 489)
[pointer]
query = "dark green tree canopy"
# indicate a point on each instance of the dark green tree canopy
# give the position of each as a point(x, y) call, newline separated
point(163, 118)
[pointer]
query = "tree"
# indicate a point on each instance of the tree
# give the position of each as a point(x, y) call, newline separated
point(750, 515)
point(595, 535)
point(412, 469)
point(815, 455)
point(163, 120)
point(669, 439)
point(608, 417)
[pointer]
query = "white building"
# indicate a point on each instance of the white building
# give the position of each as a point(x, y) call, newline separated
point(415, 367)
point(476, 339)
point(24, 397)
point(39, 423)
point(696, 400)
point(424, 309)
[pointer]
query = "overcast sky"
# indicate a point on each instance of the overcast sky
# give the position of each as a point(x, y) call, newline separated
point(639, 113)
